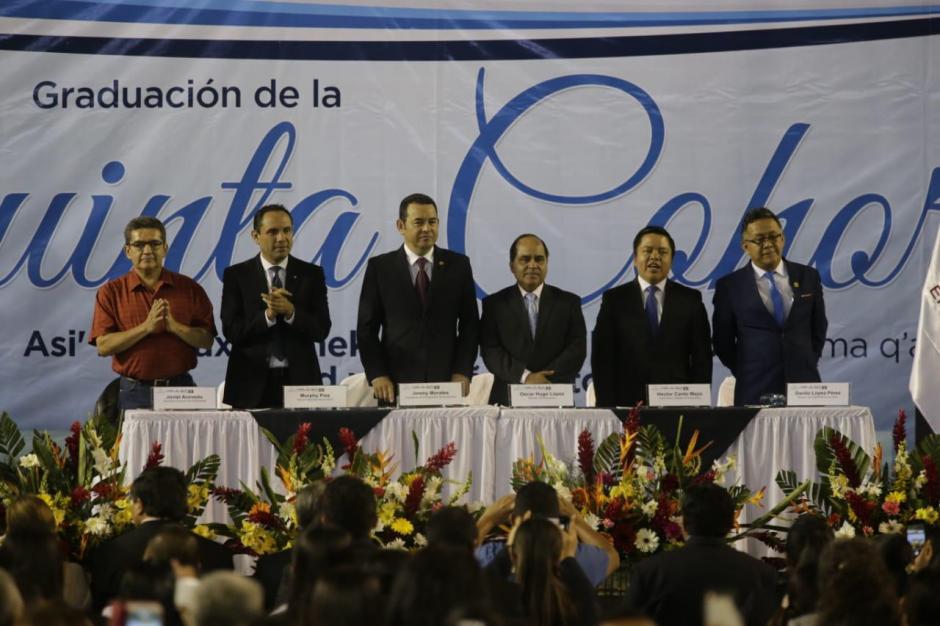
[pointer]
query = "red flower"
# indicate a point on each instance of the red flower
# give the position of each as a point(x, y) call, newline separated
point(226, 495)
point(703, 479)
point(302, 437)
point(79, 495)
point(71, 443)
point(586, 455)
point(898, 432)
point(669, 483)
point(261, 514)
point(379, 492)
point(861, 507)
point(348, 439)
point(632, 424)
point(932, 486)
point(104, 491)
point(413, 499)
point(443, 457)
point(844, 457)
point(624, 537)
point(156, 456)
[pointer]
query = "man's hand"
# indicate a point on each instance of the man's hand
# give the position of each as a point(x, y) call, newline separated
point(464, 383)
point(494, 515)
point(157, 318)
point(539, 378)
point(278, 303)
point(383, 389)
point(569, 541)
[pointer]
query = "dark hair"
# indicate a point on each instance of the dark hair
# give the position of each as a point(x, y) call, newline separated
point(515, 244)
point(807, 538)
point(162, 492)
point(35, 563)
point(539, 498)
point(855, 587)
point(653, 230)
point(150, 580)
point(932, 535)
point(536, 552)
point(922, 602)
point(30, 515)
point(452, 526)
point(141, 222)
point(54, 613)
point(414, 198)
point(896, 553)
point(707, 510)
point(317, 550)
point(268, 208)
point(349, 503)
point(174, 543)
point(760, 213)
point(385, 565)
point(435, 582)
point(307, 503)
point(11, 603)
point(344, 597)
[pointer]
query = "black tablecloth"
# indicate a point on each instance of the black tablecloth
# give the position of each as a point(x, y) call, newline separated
point(324, 422)
point(720, 426)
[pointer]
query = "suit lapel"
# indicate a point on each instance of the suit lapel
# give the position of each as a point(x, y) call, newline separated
point(259, 281)
point(635, 308)
point(795, 278)
point(402, 276)
point(292, 280)
point(438, 276)
point(518, 310)
point(670, 308)
point(749, 290)
point(546, 306)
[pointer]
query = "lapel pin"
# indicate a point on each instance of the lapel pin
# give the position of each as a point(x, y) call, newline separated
point(796, 285)
point(440, 264)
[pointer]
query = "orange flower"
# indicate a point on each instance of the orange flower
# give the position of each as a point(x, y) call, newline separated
point(260, 507)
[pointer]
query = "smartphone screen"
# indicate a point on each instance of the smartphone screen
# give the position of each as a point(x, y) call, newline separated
point(143, 614)
point(916, 537)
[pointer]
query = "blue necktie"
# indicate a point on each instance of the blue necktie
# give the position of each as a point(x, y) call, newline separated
point(652, 309)
point(532, 310)
point(276, 348)
point(776, 299)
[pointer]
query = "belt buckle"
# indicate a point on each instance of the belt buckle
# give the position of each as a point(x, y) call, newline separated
point(161, 382)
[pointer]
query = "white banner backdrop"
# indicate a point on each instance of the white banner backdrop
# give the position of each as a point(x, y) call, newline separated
point(581, 136)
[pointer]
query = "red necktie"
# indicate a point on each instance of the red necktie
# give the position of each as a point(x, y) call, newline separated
point(422, 282)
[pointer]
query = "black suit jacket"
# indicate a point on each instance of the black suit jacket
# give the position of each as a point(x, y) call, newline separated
point(763, 356)
point(669, 587)
point(625, 357)
point(244, 325)
point(506, 342)
point(398, 339)
point(108, 562)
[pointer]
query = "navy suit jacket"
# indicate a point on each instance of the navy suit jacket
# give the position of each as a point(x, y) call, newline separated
point(763, 356)
point(399, 339)
point(625, 357)
point(507, 345)
point(245, 326)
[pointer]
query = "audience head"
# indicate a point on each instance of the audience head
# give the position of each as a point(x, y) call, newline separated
point(707, 511)
point(452, 526)
point(897, 554)
point(344, 597)
point(178, 547)
point(30, 515)
point(922, 602)
point(536, 551)
point(54, 613)
point(855, 587)
point(435, 582)
point(151, 581)
point(808, 537)
point(929, 555)
point(160, 492)
point(626, 616)
point(30, 551)
point(307, 503)
point(385, 565)
point(349, 503)
point(538, 498)
point(11, 603)
point(317, 550)
point(227, 599)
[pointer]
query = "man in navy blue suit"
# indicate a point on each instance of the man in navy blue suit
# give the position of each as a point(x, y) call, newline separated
point(769, 323)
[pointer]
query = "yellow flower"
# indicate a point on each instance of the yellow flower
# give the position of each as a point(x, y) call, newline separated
point(927, 514)
point(203, 531)
point(623, 490)
point(54, 503)
point(198, 495)
point(124, 514)
point(256, 538)
point(402, 526)
point(387, 512)
point(896, 496)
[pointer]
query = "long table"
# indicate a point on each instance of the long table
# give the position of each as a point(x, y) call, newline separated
point(488, 439)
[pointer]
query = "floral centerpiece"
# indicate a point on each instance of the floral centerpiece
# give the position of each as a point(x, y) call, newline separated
point(861, 494)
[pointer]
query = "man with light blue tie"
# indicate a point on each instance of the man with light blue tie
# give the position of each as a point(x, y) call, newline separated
point(769, 323)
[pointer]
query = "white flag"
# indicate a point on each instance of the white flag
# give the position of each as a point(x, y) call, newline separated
point(925, 373)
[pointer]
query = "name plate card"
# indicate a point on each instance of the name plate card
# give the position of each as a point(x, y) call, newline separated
point(315, 397)
point(817, 394)
point(541, 395)
point(697, 394)
point(184, 398)
point(430, 394)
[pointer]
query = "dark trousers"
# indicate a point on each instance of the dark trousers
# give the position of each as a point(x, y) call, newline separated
point(273, 396)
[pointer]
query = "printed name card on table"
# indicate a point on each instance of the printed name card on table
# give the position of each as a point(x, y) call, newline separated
point(817, 394)
point(541, 395)
point(680, 395)
point(184, 398)
point(430, 394)
point(315, 397)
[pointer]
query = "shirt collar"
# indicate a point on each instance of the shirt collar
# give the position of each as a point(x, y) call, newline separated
point(644, 284)
point(780, 270)
point(134, 281)
point(412, 257)
point(268, 265)
point(537, 291)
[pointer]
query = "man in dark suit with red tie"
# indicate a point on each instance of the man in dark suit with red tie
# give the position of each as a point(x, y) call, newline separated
point(651, 330)
point(418, 318)
point(531, 333)
point(769, 319)
point(274, 308)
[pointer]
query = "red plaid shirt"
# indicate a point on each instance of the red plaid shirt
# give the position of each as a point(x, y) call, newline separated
point(123, 303)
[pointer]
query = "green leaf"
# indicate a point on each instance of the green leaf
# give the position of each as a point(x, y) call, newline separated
point(11, 439)
point(414, 438)
point(607, 456)
point(825, 455)
point(650, 443)
point(204, 471)
point(265, 485)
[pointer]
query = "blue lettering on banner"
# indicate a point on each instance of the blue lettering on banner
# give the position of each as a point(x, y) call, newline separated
point(480, 152)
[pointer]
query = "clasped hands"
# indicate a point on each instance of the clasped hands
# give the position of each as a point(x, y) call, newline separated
point(160, 318)
point(278, 302)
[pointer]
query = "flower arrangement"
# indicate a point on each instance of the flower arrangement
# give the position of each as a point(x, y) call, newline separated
point(404, 505)
point(264, 520)
point(860, 494)
point(83, 482)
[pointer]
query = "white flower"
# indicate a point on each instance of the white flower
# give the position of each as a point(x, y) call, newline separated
point(28, 461)
point(396, 491)
point(891, 526)
point(846, 531)
point(649, 508)
point(92, 436)
point(379, 527)
point(555, 466)
point(102, 461)
point(286, 510)
point(592, 520)
point(96, 526)
point(563, 492)
point(646, 540)
point(642, 473)
point(659, 464)
point(475, 506)
point(104, 511)
point(420, 540)
point(328, 464)
point(871, 489)
point(431, 489)
point(722, 469)
point(921, 480)
point(396, 544)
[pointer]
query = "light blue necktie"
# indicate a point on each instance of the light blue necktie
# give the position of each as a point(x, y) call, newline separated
point(532, 310)
point(652, 309)
point(776, 298)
